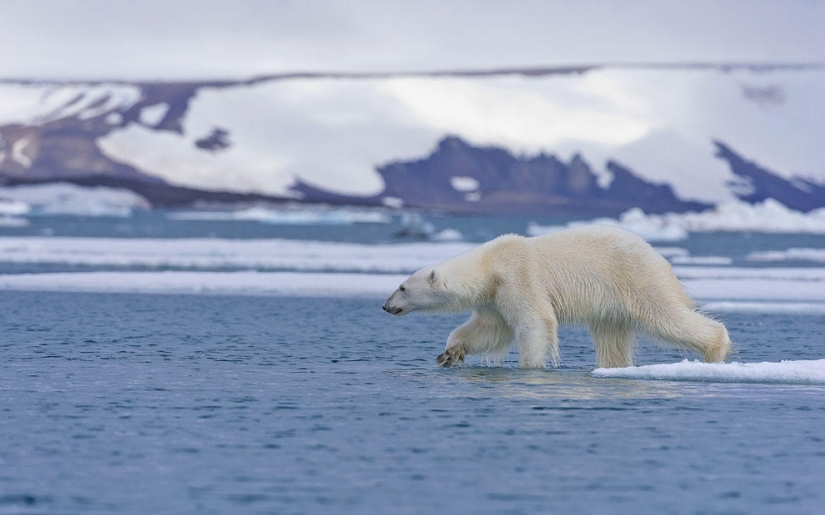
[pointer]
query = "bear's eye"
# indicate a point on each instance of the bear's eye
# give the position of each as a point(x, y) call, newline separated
point(402, 288)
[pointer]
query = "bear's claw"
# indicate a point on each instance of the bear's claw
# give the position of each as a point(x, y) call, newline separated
point(449, 358)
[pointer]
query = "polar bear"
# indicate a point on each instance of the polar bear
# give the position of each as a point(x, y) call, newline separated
point(521, 289)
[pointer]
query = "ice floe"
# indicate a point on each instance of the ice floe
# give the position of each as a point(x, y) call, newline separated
point(783, 372)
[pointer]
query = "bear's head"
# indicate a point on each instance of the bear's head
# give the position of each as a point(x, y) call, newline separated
point(425, 290)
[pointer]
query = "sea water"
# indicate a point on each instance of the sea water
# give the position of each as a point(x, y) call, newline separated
point(200, 403)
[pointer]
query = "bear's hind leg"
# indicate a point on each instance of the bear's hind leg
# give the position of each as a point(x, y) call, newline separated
point(538, 339)
point(486, 332)
point(695, 331)
point(614, 345)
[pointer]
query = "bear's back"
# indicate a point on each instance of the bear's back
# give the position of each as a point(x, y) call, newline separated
point(600, 267)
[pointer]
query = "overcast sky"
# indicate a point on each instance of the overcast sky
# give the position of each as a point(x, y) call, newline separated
point(179, 39)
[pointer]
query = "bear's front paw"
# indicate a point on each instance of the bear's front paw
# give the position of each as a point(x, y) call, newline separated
point(450, 357)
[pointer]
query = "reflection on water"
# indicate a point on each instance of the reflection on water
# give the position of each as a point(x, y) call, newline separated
point(563, 384)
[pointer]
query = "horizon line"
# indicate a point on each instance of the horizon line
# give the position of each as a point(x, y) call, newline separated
point(525, 71)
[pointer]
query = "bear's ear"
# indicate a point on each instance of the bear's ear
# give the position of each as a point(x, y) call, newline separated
point(431, 277)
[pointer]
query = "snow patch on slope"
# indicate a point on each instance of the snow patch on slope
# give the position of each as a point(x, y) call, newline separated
point(154, 114)
point(36, 104)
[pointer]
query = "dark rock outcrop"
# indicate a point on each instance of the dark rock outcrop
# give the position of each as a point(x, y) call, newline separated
point(758, 183)
point(541, 184)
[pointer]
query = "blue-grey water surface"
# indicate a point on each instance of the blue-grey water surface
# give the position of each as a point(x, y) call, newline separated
point(120, 403)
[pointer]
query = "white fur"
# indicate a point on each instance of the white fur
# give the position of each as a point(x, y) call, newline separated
point(521, 289)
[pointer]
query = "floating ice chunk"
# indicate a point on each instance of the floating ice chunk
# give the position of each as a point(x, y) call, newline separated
point(288, 216)
point(447, 235)
point(670, 252)
point(769, 217)
point(794, 308)
point(701, 260)
point(13, 221)
point(651, 228)
point(784, 372)
point(13, 207)
point(69, 199)
point(791, 254)
point(414, 225)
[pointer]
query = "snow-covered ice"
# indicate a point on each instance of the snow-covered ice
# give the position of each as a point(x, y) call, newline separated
point(206, 253)
point(702, 282)
point(787, 372)
point(223, 283)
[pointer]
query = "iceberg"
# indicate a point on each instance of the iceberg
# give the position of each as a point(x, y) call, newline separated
point(73, 200)
point(783, 372)
point(650, 228)
point(769, 216)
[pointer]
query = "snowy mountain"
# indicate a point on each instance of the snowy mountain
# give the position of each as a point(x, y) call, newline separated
point(567, 140)
point(459, 177)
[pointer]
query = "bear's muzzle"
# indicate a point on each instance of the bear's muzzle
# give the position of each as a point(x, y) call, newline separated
point(392, 310)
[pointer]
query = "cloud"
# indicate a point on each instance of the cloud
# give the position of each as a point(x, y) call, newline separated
point(183, 39)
